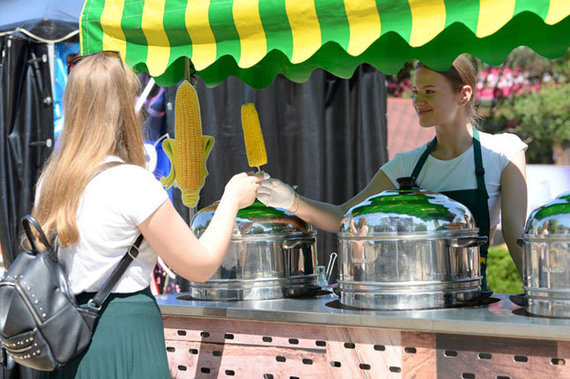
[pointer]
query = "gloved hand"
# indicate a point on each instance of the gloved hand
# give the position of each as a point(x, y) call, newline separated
point(274, 193)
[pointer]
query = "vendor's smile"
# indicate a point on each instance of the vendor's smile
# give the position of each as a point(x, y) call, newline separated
point(422, 112)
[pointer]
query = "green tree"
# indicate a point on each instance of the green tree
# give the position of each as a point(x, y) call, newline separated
point(543, 119)
point(539, 113)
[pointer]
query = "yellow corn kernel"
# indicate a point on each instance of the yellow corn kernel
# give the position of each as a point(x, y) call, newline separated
point(253, 137)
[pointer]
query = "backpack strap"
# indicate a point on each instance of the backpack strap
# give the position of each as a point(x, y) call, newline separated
point(28, 220)
point(96, 303)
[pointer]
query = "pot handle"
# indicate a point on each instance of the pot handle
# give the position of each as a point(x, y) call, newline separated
point(464, 242)
point(294, 242)
point(311, 290)
point(473, 297)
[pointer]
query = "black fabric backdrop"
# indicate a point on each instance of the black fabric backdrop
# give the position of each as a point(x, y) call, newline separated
point(327, 135)
point(26, 121)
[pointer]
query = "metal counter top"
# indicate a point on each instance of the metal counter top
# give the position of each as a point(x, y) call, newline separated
point(498, 319)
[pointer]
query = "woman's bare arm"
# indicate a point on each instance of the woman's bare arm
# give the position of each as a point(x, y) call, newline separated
point(197, 259)
point(328, 216)
point(514, 206)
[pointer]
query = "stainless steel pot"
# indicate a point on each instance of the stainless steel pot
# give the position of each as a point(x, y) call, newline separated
point(271, 255)
point(408, 249)
point(546, 259)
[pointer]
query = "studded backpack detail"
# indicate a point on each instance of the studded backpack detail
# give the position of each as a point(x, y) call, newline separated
point(41, 324)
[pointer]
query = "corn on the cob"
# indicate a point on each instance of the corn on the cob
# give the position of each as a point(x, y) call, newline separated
point(253, 137)
point(189, 151)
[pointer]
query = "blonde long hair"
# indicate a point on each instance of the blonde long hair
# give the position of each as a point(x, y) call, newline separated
point(100, 120)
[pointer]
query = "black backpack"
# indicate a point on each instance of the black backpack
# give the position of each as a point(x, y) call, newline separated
point(41, 324)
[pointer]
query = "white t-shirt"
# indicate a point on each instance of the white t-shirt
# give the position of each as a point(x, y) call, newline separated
point(113, 204)
point(459, 173)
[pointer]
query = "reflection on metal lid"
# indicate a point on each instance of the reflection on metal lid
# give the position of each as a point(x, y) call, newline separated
point(257, 220)
point(551, 220)
point(406, 212)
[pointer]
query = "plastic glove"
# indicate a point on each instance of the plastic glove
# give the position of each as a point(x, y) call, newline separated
point(274, 193)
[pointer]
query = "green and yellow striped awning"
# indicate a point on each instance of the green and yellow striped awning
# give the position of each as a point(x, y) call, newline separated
point(256, 40)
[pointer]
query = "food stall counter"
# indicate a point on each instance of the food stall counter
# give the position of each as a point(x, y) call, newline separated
point(306, 337)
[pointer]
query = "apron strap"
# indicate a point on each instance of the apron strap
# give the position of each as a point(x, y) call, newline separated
point(423, 159)
point(481, 194)
point(479, 170)
point(484, 225)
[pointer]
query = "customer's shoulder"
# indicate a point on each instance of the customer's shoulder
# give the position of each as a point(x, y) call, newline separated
point(125, 173)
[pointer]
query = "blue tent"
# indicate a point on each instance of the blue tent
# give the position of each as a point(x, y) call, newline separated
point(41, 20)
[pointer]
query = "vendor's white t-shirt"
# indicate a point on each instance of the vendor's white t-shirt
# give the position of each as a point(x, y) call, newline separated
point(113, 204)
point(459, 173)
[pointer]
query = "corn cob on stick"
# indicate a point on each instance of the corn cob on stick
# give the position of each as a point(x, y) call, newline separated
point(253, 137)
point(189, 151)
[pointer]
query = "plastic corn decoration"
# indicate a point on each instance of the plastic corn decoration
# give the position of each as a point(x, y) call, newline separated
point(253, 137)
point(190, 149)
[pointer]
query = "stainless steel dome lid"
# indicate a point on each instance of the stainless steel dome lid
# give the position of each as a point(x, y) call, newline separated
point(257, 220)
point(408, 211)
point(551, 220)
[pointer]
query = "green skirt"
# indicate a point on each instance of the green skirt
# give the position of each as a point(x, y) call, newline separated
point(128, 341)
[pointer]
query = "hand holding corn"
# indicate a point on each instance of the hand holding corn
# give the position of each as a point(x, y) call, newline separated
point(242, 189)
point(190, 149)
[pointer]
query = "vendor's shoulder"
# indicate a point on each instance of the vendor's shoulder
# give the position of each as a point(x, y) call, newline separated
point(499, 139)
point(504, 144)
point(411, 154)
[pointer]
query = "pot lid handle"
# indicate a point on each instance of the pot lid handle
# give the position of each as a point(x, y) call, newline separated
point(407, 183)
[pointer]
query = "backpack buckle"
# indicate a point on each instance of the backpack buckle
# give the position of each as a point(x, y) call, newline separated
point(92, 306)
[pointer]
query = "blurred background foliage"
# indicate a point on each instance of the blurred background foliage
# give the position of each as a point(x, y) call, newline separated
point(530, 98)
point(502, 275)
point(527, 95)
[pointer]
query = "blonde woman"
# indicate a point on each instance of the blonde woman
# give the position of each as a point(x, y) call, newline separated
point(97, 215)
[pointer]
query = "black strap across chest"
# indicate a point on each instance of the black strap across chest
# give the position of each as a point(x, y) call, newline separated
point(479, 170)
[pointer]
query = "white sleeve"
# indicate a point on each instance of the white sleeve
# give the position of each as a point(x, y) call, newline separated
point(143, 195)
point(402, 164)
point(396, 168)
point(510, 145)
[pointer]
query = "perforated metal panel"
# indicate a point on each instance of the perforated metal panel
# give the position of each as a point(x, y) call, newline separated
point(209, 348)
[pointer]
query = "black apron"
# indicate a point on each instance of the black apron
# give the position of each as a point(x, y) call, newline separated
point(474, 199)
